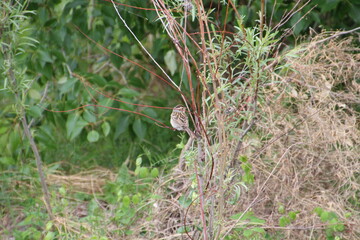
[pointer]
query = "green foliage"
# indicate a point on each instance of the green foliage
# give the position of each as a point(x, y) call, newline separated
point(249, 226)
point(21, 189)
point(64, 50)
point(170, 61)
point(333, 223)
point(334, 14)
point(287, 219)
point(247, 177)
point(129, 191)
point(17, 91)
point(154, 172)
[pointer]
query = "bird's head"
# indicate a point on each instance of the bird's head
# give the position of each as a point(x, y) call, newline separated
point(179, 108)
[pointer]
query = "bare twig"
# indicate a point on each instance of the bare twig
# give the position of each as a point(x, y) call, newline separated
point(336, 35)
point(290, 14)
point(142, 46)
point(262, 18)
point(38, 165)
point(302, 17)
point(32, 145)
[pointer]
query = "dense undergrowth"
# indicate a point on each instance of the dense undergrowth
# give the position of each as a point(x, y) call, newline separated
point(276, 157)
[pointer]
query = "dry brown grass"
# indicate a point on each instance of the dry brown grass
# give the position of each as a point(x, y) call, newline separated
point(317, 164)
point(91, 181)
point(322, 160)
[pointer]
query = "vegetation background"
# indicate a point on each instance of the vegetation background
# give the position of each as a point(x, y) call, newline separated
point(75, 87)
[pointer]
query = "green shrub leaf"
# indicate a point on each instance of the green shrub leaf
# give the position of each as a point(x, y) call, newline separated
point(139, 128)
point(93, 136)
point(105, 128)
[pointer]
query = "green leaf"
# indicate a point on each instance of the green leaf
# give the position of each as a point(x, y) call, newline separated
point(45, 135)
point(49, 236)
point(137, 170)
point(138, 161)
point(335, 225)
point(329, 234)
point(62, 80)
point(3, 130)
point(106, 128)
point(95, 79)
point(49, 225)
point(135, 199)
point(105, 102)
point(248, 178)
point(45, 56)
point(332, 215)
point(127, 232)
point(71, 123)
point(235, 216)
point(170, 61)
point(248, 232)
point(7, 161)
point(256, 220)
point(284, 221)
point(121, 126)
point(123, 175)
point(182, 229)
point(80, 124)
point(89, 116)
point(154, 172)
point(128, 214)
point(127, 92)
point(150, 112)
point(354, 13)
point(292, 215)
point(68, 85)
point(93, 136)
point(243, 158)
point(137, 82)
point(35, 111)
point(62, 191)
point(27, 221)
point(143, 172)
point(139, 128)
point(259, 230)
point(298, 26)
point(34, 94)
point(43, 15)
point(281, 209)
point(14, 141)
point(126, 201)
point(339, 227)
point(74, 126)
point(329, 5)
point(184, 201)
point(318, 211)
point(324, 216)
point(246, 167)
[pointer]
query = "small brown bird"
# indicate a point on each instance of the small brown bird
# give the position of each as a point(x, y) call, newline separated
point(179, 120)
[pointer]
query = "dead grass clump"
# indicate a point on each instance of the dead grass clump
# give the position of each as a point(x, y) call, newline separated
point(91, 181)
point(321, 164)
